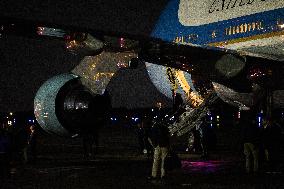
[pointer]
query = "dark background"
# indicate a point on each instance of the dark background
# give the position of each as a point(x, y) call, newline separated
point(116, 16)
point(25, 63)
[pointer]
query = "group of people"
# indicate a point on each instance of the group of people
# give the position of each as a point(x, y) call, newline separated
point(154, 140)
point(204, 138)
point(260, 143)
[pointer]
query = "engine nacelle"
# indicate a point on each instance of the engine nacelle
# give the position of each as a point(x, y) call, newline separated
point(63, 106)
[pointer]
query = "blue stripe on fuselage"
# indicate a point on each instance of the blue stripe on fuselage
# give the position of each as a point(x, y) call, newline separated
point(168, 27)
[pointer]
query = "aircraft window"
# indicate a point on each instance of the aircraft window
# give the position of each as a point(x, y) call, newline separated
point(259, 25)
point(253, 26)
point(242, 28)
point(237, 29)
point(234, 30)
point(179, 39)
point(245, 27)
point(227, 31)
point(249, 27)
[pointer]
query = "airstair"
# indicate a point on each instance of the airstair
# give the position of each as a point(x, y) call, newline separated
point(191, 117)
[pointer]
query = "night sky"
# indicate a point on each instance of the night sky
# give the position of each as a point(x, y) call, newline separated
point(26, 63)
point(133, 17)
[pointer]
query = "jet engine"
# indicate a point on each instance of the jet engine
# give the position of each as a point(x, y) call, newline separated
point(64, 107)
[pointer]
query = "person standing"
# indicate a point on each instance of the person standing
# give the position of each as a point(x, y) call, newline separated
point(4, 154)
point(203, 130)
point(178, 108)
point(178, 103)
point(32, 142)
point(250, 134)
point(272, 143)
point(89, 136)
point(160, 140)
point(141, 133)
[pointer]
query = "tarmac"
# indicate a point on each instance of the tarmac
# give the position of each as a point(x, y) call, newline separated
point(60, 165)
point(130, 170)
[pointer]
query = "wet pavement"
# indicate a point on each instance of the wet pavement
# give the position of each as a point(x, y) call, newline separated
point(130, 170)
point(61, 165)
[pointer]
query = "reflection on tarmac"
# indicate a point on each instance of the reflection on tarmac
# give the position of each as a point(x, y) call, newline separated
point(129, 171)
point(211, 166)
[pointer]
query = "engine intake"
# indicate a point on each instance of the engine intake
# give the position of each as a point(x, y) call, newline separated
point(63, 106)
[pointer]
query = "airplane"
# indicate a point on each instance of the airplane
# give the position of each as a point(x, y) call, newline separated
point(231, 47)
